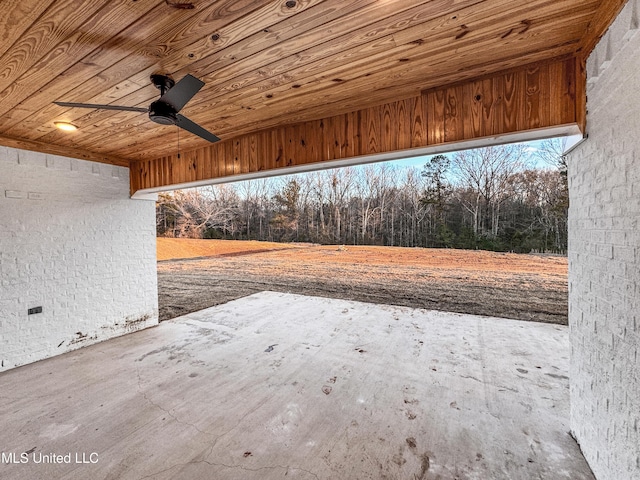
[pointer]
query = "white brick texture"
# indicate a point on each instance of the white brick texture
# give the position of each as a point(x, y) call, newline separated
point(75, 244)
point(604, 258)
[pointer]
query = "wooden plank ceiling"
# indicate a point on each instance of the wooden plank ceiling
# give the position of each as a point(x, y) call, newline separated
point(265, 63)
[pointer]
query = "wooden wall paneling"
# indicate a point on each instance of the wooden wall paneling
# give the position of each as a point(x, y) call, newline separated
point(314, 137)
point(562, 77)
point(290, 145)
point(299, 143)
point(136, 176)
point(350, 144)
point(278, 153)
point(388, 127)
point(204, 156)
point(244, 153)
point(255, 152)
point(532, 97)
point(571, 74)
point(179, 168)
point(239, 157)
point(189, 166)
point(209, 156)
point(533, 100)
point(498, 107)
point(402, 125)
point(185, 163)
point(361, 131)
point(168, 168)
point(454, 119)
point(331, 140)
point(154, 173)
point(222, 161)
point(134, 179)
point(199, 165)
point(183, 167)
point(472, 113)
point(512, 91)
point(312, 147)
point(555, 91)
point(161, 168)
point(227, 156)
point(373, 131)
point(436, 114)
point(267, 148)
point(581, 93)
point(143, 180)
point(418, 119)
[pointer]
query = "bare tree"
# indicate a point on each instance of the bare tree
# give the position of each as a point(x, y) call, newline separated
point(483, 175)
point(486, 199)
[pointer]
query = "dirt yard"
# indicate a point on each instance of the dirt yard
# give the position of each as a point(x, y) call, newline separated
point(195, 274)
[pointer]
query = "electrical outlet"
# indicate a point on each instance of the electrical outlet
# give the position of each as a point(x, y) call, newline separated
point(35, 310)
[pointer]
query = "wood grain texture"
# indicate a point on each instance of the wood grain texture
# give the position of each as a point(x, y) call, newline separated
point(529, 98)
point(366, 70)
point(600, 21)
point(346, 64)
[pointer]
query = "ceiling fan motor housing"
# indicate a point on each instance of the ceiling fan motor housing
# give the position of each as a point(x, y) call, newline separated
point(162, 113)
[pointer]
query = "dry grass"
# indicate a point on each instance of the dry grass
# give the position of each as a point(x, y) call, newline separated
point(527, 287)
point(182, 248)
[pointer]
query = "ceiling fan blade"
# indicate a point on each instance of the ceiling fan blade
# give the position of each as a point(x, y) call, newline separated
point(182, 92)
point(102, 107)
point(189, 126)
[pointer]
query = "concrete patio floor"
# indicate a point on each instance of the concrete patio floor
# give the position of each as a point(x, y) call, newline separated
point(285, 386)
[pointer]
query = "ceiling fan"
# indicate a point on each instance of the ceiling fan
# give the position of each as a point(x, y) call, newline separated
point(173, 97)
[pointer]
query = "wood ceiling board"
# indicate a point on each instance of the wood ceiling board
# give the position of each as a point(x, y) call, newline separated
point(606, 13)
point(61, 34)
point(267, 113)
point(337, 10)
point(346, 60)
point(17, 17)
point(103, 52)
point(142, 61)
point(536, 30)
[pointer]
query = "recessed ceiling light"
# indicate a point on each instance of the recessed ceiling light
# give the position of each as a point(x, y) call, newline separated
point(66, 126)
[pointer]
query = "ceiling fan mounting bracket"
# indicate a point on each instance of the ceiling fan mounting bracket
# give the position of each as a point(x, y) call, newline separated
point(164, 83)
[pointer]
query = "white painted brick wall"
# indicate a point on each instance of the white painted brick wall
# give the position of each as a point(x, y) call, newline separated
point(73, 242)
point(604, 258)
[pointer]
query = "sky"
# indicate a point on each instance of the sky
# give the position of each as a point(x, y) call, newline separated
point(531, 148)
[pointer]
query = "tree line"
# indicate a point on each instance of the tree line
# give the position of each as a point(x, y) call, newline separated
point(488, 198)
